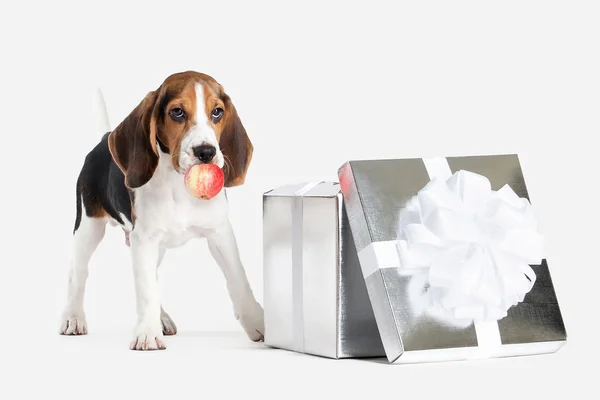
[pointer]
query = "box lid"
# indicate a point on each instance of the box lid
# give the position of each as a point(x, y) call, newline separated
point(377, 195)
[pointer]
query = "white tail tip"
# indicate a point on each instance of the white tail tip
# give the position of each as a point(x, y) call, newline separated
point(101, 115)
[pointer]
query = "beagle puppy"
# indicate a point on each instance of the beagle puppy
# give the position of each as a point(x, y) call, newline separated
point(134, 178)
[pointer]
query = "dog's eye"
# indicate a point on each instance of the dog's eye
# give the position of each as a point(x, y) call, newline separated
point(217, 114)
point(177, 114)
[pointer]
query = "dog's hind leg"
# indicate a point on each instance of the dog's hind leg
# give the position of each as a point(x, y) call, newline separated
point(168, 326)
point(88, 233)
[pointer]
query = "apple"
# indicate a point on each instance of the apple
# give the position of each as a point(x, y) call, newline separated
point(204, 181)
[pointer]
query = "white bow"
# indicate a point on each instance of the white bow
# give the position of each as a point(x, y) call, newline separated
point(475, 245)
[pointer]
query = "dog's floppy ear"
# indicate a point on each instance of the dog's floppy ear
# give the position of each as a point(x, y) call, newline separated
point(235, 146)
point(133, 143)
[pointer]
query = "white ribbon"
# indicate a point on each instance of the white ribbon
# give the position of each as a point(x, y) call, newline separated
point(298, 266)
point(476, 245)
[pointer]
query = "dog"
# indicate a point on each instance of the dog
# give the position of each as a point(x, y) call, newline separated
point(134, 178)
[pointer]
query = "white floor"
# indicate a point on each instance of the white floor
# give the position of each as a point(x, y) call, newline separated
point(214, 365)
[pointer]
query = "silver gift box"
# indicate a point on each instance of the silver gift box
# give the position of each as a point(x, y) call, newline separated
point(315, 298)
point(375, 192)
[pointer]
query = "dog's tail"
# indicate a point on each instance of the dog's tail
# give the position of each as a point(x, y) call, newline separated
point(100, 113)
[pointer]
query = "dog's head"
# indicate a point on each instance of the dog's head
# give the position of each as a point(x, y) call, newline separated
point(190, 118)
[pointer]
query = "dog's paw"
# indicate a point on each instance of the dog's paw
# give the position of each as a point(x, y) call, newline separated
point(73, 324)
point(168, 326)
point(146, 338)
point(252, 320)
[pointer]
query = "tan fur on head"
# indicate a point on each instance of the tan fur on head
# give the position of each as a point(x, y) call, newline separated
point(236, 145)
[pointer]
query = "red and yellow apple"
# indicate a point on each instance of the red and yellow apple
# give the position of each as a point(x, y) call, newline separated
point(204, 181)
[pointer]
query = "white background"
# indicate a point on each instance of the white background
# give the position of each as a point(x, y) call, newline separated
point(316, 84)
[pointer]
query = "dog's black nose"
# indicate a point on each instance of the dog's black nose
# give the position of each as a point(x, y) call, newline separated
point(205, 153)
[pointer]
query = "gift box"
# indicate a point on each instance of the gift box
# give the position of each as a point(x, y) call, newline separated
point(315, 299)
point(452, 258)
point(416, 260)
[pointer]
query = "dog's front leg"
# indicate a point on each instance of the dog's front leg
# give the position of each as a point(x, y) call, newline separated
point(145, 253)
point(223, 247)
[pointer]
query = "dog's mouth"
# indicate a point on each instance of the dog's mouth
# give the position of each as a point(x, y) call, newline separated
point(188, 159)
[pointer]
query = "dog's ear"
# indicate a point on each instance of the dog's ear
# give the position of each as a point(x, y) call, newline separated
point(133, 143)
point(235, 146)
